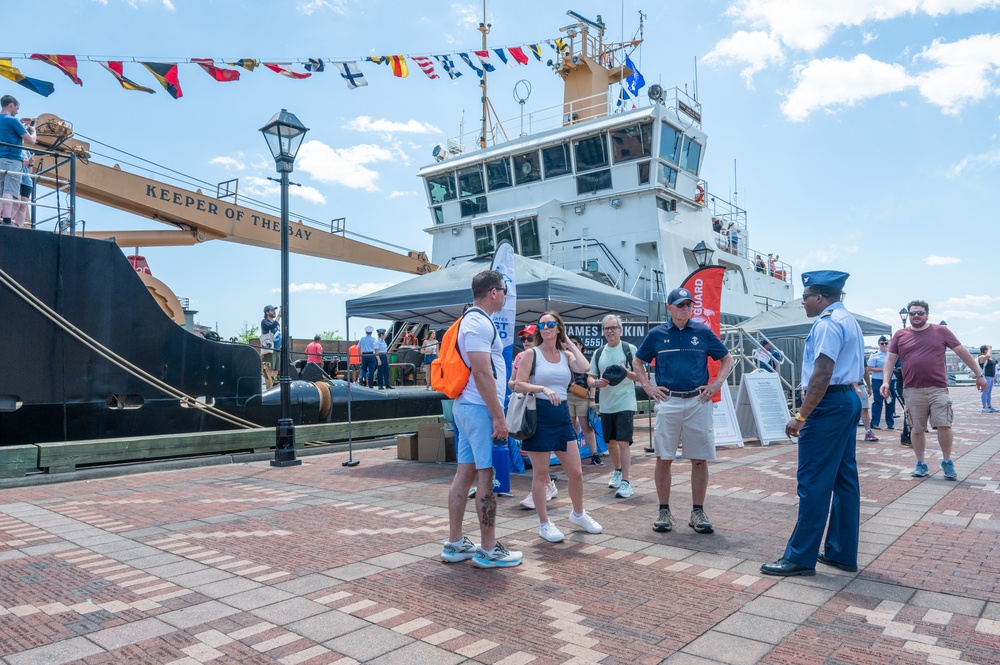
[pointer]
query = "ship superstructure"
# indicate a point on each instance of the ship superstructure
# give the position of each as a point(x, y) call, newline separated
point(613, 194)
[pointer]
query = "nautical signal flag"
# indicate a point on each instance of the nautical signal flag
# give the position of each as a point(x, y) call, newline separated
point(315, 65)
point(399, 68)
point(117, 70)
point(218, 73)
point(284, 71)
point(351, 74)
point(166, 74)
point(8, 70)
point(426, 65)
point(248, 64)
point(518, 54)
point(64, 63)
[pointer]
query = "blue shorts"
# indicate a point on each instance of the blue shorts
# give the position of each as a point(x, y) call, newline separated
point(475, 433)
point(554, 431)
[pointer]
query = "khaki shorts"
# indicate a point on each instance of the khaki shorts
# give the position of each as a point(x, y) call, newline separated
point(686, 423)
point(577, 406)
point(932, 402)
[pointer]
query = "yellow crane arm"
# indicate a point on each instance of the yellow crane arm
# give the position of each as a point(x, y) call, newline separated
point(203, 217)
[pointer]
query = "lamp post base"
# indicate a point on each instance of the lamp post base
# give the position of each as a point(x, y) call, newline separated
point(284, 450)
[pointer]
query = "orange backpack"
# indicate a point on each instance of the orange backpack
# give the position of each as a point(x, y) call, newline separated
point(449, 371)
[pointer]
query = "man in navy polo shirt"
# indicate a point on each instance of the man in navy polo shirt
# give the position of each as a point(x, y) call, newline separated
point(826, 425)
point(683, 397)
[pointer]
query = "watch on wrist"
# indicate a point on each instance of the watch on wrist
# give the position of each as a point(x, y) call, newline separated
point(798, 416)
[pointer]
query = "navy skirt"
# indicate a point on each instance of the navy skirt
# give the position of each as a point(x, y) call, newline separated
point(554, 428)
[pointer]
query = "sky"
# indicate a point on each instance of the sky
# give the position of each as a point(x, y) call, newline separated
point(859, 136)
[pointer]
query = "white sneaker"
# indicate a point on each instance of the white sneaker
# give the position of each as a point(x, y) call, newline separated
point(585, 522)
point(551, 491)
point(528, 502)
point(624, 490)
point(616, 479)
point(551, 532)
point(498, 557)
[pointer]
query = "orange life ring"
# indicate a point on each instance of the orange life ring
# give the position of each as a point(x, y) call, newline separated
point(700, 196)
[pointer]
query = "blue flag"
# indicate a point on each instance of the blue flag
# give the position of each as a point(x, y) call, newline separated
point(635, 81)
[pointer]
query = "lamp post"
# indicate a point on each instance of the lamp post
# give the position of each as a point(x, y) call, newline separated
point(702, 253)
point(284, 134)
point(902, 315)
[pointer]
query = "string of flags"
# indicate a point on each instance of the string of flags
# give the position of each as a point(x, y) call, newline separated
point(167, 73)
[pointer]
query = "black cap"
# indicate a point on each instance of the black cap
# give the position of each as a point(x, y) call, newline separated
point(615, 374)
point(883, 338)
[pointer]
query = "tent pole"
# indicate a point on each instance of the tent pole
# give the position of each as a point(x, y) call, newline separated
point(350, 441)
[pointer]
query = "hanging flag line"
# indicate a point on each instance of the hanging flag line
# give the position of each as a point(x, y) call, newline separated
point(167, 75)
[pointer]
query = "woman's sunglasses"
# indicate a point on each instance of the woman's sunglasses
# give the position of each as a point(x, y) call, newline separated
point(547, 324)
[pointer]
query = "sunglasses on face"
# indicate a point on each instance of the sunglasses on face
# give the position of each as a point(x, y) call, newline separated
point(542, 325)
point(920, 313)
point(883, 343)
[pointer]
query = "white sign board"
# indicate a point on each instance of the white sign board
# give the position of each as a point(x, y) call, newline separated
point(727, 429)
point(761, 408)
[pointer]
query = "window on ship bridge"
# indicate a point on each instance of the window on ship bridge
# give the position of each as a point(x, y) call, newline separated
point(526, 168)
point(498, 174)
point(632, 142)
point(556, 160)
point(441, 187)
point(592, 172)
point(690, 155)
point(522, 234)
point(471, 189)
point(670, 144)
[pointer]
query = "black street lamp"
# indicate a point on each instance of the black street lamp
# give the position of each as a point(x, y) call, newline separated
point(903, 314)
point(284, 134)
point(702, 253)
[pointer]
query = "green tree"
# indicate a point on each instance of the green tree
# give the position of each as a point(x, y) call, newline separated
point(331, 335)
point(245, 333)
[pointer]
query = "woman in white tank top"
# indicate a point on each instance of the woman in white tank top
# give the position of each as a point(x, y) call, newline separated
point(547, 372)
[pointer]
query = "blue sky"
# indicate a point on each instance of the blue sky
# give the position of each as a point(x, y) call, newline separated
point(864, 135)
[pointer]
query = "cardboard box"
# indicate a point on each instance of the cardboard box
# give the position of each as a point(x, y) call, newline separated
point(406, 446)
point(430, 431)
point(436, 449)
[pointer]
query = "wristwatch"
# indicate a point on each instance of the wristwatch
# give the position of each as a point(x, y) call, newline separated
point(798, 416)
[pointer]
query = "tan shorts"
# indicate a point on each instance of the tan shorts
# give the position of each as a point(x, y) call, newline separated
point(577, 406)
point(686, 423)
point(924, 402)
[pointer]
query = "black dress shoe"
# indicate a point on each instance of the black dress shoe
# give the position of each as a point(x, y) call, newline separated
point(785, 568)
point(836, 564)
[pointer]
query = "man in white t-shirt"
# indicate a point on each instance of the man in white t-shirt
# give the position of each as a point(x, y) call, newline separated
point(479, 420)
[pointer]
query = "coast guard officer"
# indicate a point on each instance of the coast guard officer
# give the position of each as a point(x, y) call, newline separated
point(827, 427)
point(383, 361)
point(369, 359)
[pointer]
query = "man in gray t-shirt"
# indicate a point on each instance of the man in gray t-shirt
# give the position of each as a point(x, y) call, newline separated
point(617, 404)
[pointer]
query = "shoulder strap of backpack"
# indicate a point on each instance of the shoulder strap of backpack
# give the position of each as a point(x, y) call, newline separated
point(483, 312)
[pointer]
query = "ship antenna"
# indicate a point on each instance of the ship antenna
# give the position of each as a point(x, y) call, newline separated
point(484, 28)
point(696, 78)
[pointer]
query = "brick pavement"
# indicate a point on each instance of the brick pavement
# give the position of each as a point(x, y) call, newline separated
point(326, 564)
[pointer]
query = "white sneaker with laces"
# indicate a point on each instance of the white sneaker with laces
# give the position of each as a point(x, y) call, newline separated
point(551, 533)
point(528, 502)
point(551, 491)
point(624, 490)
point(616, 479)
point(585, 522)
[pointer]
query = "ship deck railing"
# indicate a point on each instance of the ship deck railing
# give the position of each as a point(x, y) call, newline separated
point(747, 348)
point(777, 269)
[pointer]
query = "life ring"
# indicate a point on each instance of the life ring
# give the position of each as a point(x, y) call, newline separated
point(700, 196)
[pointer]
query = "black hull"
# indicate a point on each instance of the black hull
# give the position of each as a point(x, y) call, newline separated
point(68, 392)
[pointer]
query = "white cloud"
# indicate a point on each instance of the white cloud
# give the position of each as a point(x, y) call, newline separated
point(933, 260)
point(964, 73)
point(991, 302)
point(827, 255)
point(982, 161)
point(809, 25)
point(365, 123)
point(299, 288)
point(307, 193)
point(467, 16)
point(836, 82)
point(757, 49)
point(309, 6)
point(398, 194)
point(343, 166)
point(229, 163)
point(362, 289)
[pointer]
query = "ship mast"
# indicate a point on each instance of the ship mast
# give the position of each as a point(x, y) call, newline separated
point(489, 113)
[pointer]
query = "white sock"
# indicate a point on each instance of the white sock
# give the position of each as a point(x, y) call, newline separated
point(576, 514)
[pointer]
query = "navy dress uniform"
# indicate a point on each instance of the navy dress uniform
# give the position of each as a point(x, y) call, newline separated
point(383, 361)
point(827, 465)
point(369, 358)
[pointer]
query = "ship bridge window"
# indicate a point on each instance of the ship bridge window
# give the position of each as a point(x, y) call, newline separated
point(691, 155)
point(556, 160)
point(470, 189)
point(498, 174)
point(633, 142)
point(438, 214)
point(667, 176)
point(670, 144)
point(522, 234)
point(643, 173)
point(526, 168)
point(592, 153)
point(441, 187)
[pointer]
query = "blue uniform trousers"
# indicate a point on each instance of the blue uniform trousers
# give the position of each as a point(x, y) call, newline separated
point(383, 371)
point(827, 466)
point(369, 364)
point(890, 405)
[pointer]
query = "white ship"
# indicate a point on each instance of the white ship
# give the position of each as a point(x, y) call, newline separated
point(615, 195)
